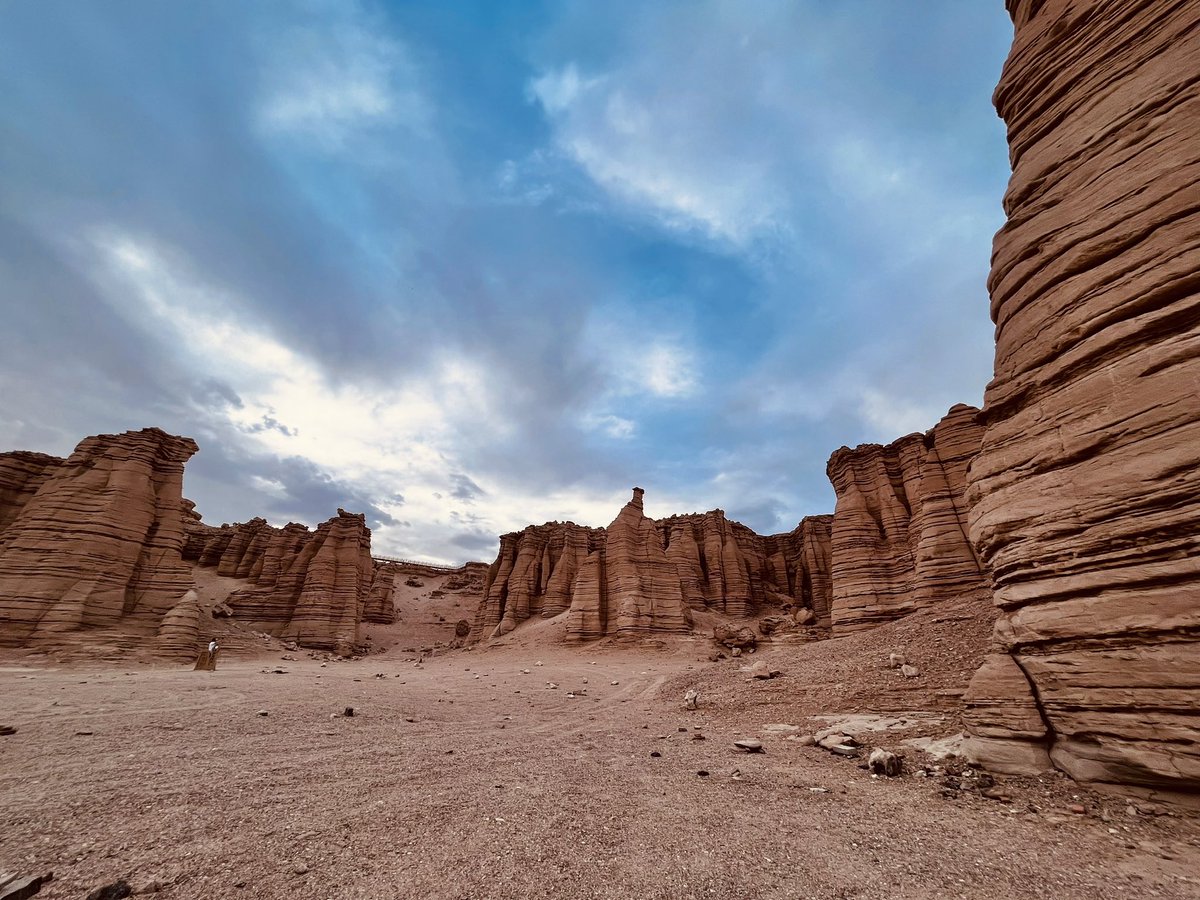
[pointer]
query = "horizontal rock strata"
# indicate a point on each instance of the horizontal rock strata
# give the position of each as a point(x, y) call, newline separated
point(97, 538)
point(641, 576)
point(1085, 497)
point(311, 587)
point(21, 475)
point(899, 536)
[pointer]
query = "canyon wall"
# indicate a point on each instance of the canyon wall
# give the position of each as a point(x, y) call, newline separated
point(899, 540)
point(896, 542)
point(639, 576)
point(1085, 497)
point(311, 587)
point(94, 540)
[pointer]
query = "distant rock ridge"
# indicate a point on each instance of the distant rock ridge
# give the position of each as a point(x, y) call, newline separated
point(896, 542)
point(1085, 498)
point(94, 540)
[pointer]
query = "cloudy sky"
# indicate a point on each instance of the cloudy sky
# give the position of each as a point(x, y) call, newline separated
point(467, 266)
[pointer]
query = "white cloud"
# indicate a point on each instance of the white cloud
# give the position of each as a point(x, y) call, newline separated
point(615, 427)
point(648, 157)
point(892, 417)
point(330, 84)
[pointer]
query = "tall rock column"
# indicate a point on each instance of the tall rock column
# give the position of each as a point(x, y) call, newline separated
point(1085, 497)
point(642, 589)
point(100, 541)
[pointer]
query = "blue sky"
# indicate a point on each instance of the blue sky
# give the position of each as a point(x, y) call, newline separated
point(467, 266)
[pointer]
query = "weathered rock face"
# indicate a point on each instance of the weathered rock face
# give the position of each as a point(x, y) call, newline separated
point(379, 606)
point(534, 574)
point(899, 536)
point(1085, 497)
point(21, 474)
point(615, 582)
point(642, 592)
point(311, 587)
point(97, 541)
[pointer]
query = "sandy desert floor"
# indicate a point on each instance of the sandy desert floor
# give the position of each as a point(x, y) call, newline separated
point(463, 776)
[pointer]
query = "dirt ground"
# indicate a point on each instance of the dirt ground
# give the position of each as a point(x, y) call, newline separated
point(466, 776)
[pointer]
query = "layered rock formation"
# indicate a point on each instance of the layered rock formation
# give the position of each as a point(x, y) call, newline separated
point(311, 587)
point(96, 539)
point(640, 576)
point(379, 607)
point(1085, 497)
point(899, 540)
point(21, 475)
point(637, 589)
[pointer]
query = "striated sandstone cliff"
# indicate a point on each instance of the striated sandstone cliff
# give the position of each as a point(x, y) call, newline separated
point(640, 576)
point(22, 473)
point(312, 587)
point(1085, 497)
point(96, 539)
point(638, 587)
point(899, 540)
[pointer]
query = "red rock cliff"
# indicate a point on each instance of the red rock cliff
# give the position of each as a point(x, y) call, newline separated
point(1085, 497)
point(313, 587)
point(640, 576)
point(899, 539)
point(98, 541)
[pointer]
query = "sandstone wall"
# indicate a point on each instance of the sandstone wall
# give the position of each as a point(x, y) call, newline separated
point(899, 537)
point(97, 538)
point(1085, 497)
point(640, 576)
point(312, 587)
point(21, 475)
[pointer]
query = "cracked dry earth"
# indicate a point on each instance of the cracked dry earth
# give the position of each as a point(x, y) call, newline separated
point(465, 777)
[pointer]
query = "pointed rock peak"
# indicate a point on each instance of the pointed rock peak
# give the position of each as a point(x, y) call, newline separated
point(638, 493)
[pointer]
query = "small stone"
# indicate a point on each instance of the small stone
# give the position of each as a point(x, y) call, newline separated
point(655, 754)
point(736, 651)
point(263, 712)
point(884, 762)
point(896, 660)
point(845, 750)
point(614, 683)
point(409, 719)
point(8, 729)
point(697, 736)
point(301, 868)
point(749, 745)
point(909, 671)
point(1078, 808)
point(151, 885)
point(703, 773)
point(348, 712)
point(118, 890)
point(830, 741)
point(691, 699)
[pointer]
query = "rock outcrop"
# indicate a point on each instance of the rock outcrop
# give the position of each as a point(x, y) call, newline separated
point(22, 473)
point(640, 593)
point(96, 539)
point(899, 537)
point(311, 587)
point(379, 607)
point(1085, 497)
point(614, 581)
